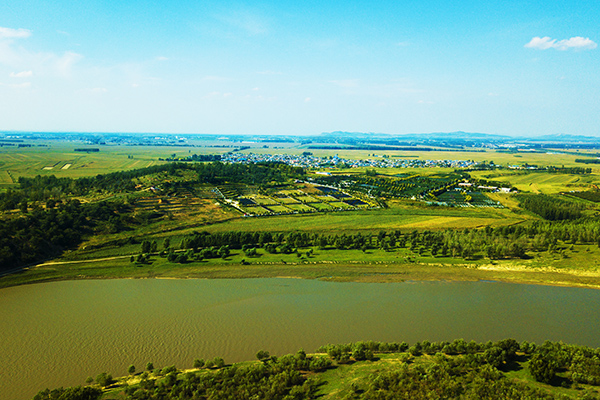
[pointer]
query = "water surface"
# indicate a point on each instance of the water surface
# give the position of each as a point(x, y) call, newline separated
point(57, 334)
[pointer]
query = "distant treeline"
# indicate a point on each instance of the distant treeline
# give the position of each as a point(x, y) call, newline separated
point(422, 371)
point(195, 157)
point(84, 150)
point(569, 170)
point(588, 160)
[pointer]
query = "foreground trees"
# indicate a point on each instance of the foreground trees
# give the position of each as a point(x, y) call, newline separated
point(374, 371)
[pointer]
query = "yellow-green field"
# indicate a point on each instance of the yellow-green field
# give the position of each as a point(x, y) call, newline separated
point(541, 182)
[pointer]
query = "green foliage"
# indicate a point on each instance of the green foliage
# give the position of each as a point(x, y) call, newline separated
point(551, 208)
point(444, 370)
point(542, 367)
point(104, 379)
point(262, 355)
point(73, 393)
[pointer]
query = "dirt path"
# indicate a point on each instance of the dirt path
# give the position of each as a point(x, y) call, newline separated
point(80, 261)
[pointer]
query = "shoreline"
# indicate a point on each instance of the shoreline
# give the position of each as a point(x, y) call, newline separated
point(507, 272)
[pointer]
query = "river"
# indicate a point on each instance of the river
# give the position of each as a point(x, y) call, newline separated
point(57, 334)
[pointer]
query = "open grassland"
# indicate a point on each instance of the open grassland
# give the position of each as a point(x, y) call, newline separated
point(397, 216)
point(540, 182)
point(51, 160)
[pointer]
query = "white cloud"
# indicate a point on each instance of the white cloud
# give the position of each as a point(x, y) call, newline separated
point(307, 100)
point(44, 63)
point(9, 33)
point(99, 90)
point(22, 74)
point(161, 58)
point(546, 42)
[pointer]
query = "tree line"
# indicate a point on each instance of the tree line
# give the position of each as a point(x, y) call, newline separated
point(494, 243)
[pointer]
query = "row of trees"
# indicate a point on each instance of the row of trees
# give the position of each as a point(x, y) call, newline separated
point(415, 185)
point(494, 243)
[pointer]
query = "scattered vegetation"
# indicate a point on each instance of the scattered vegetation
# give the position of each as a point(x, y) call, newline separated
point(505, 369)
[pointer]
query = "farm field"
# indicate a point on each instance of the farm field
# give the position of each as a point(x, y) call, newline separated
point(537, 182)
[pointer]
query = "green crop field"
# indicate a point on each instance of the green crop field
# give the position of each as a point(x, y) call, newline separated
point(395, 217)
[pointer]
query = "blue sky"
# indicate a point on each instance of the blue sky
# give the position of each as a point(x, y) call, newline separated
point(281, 67)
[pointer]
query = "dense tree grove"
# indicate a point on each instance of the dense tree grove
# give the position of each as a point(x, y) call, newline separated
point(551, 208)
point(42, 234)
point(423, 370)
point(74, 393)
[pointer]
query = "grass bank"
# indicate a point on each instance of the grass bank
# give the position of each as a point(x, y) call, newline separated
point(579, 266)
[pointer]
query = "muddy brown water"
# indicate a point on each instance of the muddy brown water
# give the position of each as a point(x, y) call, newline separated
point(57, 334)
